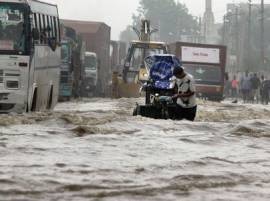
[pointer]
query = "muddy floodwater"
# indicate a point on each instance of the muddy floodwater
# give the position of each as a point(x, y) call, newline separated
point(94, 150)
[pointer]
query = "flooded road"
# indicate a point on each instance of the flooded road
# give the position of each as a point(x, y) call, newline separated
point(95, 150)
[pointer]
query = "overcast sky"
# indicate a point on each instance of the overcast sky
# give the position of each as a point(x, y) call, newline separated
point(117, 13)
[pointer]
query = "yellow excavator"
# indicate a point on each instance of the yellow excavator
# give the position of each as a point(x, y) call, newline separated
point(134, 73)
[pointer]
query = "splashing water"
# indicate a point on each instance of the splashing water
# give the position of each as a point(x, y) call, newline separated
point(95, 150)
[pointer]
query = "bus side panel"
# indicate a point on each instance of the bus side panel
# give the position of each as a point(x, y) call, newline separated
point(46, 76)
point(54, 65)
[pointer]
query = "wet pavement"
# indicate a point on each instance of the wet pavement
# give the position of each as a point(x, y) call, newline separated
point(95, 150)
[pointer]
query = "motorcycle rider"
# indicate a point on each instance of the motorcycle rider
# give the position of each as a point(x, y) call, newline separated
point(186, 107)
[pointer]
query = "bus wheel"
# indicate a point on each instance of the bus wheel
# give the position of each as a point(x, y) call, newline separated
point(49, 103)
point(34, 102)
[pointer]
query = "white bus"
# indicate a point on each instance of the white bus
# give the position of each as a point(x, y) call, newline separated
point(30, 56)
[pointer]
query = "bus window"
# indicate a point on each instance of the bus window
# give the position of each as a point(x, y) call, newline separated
point(49, 27)
point(44, 30)
point(33, 23)
point(58, 30)
point(41, 25)
point(52, 27)
point(55, 28)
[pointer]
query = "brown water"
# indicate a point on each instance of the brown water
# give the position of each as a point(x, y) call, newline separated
point(95, 150)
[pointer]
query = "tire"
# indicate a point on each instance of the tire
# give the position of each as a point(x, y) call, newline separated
point(50, 100)
point(34, 102)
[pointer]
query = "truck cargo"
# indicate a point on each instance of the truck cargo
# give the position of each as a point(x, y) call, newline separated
point(207, 64)
point(96, 36)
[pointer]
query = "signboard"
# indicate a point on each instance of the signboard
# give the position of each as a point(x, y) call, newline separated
point(200, 55)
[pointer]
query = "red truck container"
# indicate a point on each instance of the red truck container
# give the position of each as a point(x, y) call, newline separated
point(97, 37)
point(207, 65)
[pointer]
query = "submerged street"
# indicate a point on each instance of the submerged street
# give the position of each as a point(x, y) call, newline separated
point(95, 150)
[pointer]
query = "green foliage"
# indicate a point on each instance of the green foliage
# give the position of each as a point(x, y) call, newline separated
point(170, 17)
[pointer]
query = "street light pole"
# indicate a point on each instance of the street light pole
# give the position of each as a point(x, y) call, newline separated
point(237, 38)
point(262, 32)
point(224, 30)
point(249, 33)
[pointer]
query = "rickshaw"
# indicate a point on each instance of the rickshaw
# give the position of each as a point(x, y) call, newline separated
point(159, 87)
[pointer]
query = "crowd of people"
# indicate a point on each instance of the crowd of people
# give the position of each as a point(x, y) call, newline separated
point(250, 87)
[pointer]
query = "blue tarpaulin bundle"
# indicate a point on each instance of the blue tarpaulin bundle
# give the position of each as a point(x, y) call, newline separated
point(161, 69)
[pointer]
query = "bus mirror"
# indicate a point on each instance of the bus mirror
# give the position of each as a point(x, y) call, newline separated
point(35, 34)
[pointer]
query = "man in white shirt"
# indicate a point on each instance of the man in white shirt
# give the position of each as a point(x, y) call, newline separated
point(186, 96)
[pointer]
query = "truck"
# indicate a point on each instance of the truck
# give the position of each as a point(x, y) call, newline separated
point(97, 38)
point(207, 64)
point(91, 74)
point(72, 72)
point(68, 43)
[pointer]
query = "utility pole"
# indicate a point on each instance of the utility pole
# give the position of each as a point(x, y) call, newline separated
point(262, 33)
point(249, 33)
point(200, 32)
point(237, 38)
point(224, 30)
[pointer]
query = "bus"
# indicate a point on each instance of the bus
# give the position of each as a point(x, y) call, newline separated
point(30, 56)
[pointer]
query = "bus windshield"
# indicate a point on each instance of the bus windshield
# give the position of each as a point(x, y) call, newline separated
point(140, 54)
point(12, 33)
point(90, 63)
point(204, 74)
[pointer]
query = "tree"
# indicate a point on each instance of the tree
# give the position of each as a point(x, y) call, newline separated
point(171, 18)
point(128, 34)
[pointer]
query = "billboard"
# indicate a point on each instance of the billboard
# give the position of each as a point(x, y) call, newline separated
point(200, 55)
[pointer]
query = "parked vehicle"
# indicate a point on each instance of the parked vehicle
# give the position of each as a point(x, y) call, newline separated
point(207, 64)
point(97, 38)
point(29, 56)
point(69, 42)
point(91, 73)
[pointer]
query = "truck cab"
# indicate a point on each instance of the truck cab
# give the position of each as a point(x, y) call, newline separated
point(66, 80)
point(91, 72)
point(134, 67)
